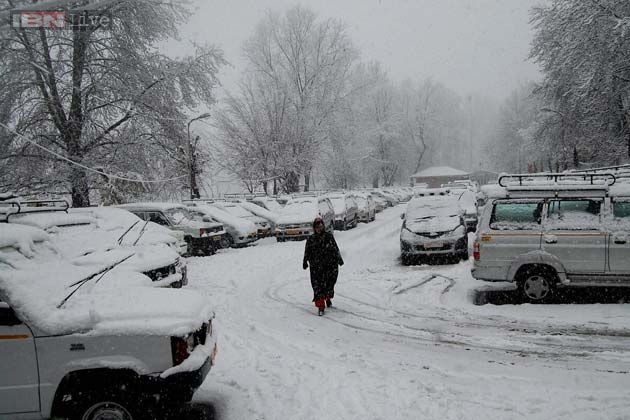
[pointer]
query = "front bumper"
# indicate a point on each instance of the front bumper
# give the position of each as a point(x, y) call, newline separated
point(437, 247)
point(294, 233)
point(177, 388)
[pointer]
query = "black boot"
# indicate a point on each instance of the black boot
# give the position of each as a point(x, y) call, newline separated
point(320, 312)
point(328, 303)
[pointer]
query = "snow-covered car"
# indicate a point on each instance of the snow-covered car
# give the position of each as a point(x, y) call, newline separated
point(92, 236)
point(241, 232)
point(346, 210)
point(202, 237)
point(263, 226)
point(268, 203)
point(366, 206)
point(295, 221)
point(388, 199)
point(468, 203)
point(270, 216)
point(433, 227)
point(112, 218)
point(85, 338)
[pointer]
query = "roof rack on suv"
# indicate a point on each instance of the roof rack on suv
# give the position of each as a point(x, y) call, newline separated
point(12, 207)
point(565, 180)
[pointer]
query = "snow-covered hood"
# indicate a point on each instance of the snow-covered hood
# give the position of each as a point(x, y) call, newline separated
point(35, 278)
point(260, 211)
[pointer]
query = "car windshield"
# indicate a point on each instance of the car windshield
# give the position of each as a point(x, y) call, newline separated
point(178, 215)
point(237, 211)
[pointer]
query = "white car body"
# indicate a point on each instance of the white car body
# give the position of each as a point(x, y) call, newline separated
point(71, 337)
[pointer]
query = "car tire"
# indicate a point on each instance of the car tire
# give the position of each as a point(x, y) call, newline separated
point(537, 285)
point(344, 225)
point(278, 239)
point(106, 405)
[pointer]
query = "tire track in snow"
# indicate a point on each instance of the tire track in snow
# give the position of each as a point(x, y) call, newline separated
point(438, 335)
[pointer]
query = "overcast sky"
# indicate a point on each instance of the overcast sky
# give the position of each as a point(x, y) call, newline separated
point(469, 45)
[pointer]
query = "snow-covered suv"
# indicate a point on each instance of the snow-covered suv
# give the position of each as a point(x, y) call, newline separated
point(554, 230)
point(90, 336)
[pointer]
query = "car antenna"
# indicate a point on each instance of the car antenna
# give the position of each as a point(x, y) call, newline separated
point(127, 231)
point(141, 232)
point(90, 277)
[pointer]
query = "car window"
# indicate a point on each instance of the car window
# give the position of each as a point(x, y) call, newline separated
point(573, 214)
point(7, 316)
point(621, 214)
point(516, 216)
point(158, 218)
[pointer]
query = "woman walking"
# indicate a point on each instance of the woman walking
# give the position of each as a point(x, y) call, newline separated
point(322, 255)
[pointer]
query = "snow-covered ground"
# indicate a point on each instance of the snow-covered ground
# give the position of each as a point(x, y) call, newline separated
point(401, 342)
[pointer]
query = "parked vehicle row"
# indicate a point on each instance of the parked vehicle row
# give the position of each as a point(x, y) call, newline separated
point(84, 293)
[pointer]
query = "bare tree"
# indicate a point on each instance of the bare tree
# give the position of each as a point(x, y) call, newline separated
point(77, 93)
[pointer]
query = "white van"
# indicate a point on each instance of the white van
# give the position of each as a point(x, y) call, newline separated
point(555, 230)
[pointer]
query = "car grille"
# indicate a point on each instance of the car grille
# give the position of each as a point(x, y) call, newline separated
point(431, 235)
point(160, 273)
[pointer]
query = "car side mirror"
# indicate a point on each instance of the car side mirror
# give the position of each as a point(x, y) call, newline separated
point(402, 216)
point(206, 219)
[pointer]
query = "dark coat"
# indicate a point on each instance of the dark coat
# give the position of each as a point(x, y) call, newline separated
point(322, 255)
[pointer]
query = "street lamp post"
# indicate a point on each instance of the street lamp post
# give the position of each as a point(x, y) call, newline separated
point(192, 159)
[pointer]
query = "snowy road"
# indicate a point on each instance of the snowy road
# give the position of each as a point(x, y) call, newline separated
point(401, 342)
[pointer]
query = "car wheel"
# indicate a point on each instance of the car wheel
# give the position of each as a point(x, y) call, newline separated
point(344, 225)
point(279, 239)
point(537, 285)
point(107, 410)
point(406, 259)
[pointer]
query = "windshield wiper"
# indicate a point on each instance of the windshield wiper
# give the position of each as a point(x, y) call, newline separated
point(141, 232)
point(127, 231)
point(90, 277)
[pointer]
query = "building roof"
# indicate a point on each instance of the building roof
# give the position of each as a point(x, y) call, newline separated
point(439, 171)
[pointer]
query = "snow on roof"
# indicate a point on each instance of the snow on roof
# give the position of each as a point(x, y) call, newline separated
point(439, 171)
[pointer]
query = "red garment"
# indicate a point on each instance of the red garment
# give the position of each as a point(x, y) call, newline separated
point(320, 303)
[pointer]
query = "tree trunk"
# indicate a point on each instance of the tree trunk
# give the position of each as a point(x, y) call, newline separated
point(375, 181)
point(292, 183)
point(80, 187)
point(307, 180)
